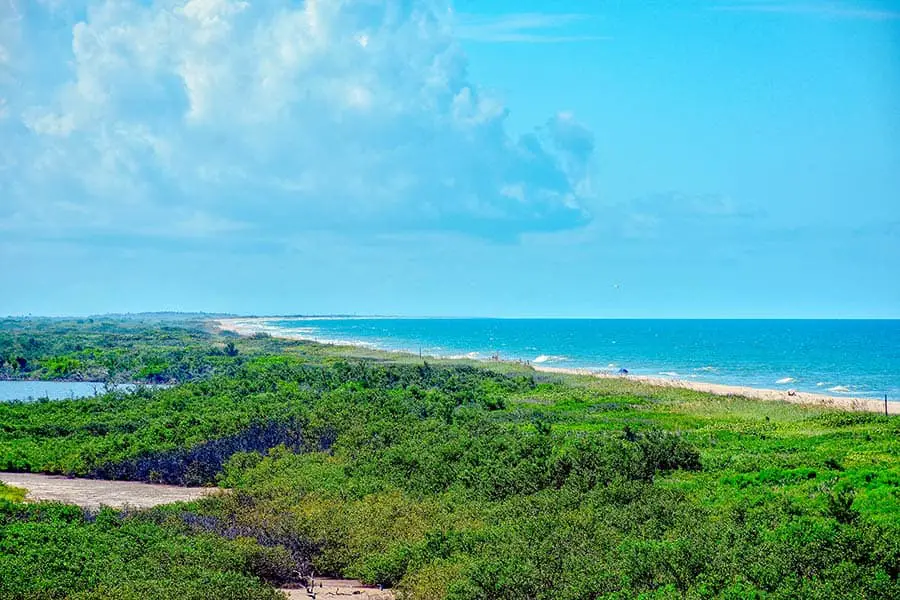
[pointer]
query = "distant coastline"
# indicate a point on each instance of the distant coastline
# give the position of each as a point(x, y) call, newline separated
point(249, 326)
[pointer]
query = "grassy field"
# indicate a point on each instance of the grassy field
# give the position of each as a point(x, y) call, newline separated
point(445, 479)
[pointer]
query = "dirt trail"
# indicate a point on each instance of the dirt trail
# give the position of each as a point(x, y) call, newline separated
point(92, 493)
point(339, 589)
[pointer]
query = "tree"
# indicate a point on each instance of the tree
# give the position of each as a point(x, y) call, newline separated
point(840, 506)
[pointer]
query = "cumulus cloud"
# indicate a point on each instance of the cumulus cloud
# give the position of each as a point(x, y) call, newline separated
point(277, 116)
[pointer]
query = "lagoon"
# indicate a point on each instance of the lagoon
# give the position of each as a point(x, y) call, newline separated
point(54, 390)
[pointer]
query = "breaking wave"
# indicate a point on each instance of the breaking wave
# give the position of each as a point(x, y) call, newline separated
point(469, 355)
point(545, 358)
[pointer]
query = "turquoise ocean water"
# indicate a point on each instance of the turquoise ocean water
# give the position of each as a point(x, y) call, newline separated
point(858, 358)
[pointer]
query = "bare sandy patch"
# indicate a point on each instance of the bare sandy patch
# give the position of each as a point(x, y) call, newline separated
point(93, 493)
point(337, 589)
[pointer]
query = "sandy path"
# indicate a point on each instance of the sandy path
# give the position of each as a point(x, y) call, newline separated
point(92, 493)
point(335, 589)
point(253, 325)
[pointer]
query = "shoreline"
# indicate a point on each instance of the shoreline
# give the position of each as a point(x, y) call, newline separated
point(249, 326)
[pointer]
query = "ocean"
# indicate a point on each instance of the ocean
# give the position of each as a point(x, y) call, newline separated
point(858, 358)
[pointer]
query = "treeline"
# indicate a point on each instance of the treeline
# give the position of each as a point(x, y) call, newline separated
point(106, 350)
point(184, 434)
point(201, 464)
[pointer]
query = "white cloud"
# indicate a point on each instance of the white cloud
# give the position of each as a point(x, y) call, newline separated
point(523, 28)
point(281, 116)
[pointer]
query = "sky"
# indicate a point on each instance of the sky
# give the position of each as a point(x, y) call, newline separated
point(620, 159)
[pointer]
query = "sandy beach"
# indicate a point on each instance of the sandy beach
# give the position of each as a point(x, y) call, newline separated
point(248, 326)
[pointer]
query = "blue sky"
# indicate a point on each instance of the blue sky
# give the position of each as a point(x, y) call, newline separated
point(700, 158)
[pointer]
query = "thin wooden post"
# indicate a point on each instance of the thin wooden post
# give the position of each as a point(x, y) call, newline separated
point(885, 405)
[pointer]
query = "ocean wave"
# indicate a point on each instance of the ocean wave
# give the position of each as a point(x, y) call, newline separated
point(669, 373)
point(356, 343)
point(707, 369)
point(785, 380)
point(544, 358)
point(839, 389)
point(294, 330)
point(821, 384)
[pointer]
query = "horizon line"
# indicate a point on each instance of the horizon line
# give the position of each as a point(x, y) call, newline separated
point(226, 315)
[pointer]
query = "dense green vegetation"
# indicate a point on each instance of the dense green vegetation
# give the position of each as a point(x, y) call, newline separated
point(50, 551)
point(11, 493)
point(111, 350)
point(446, 480)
